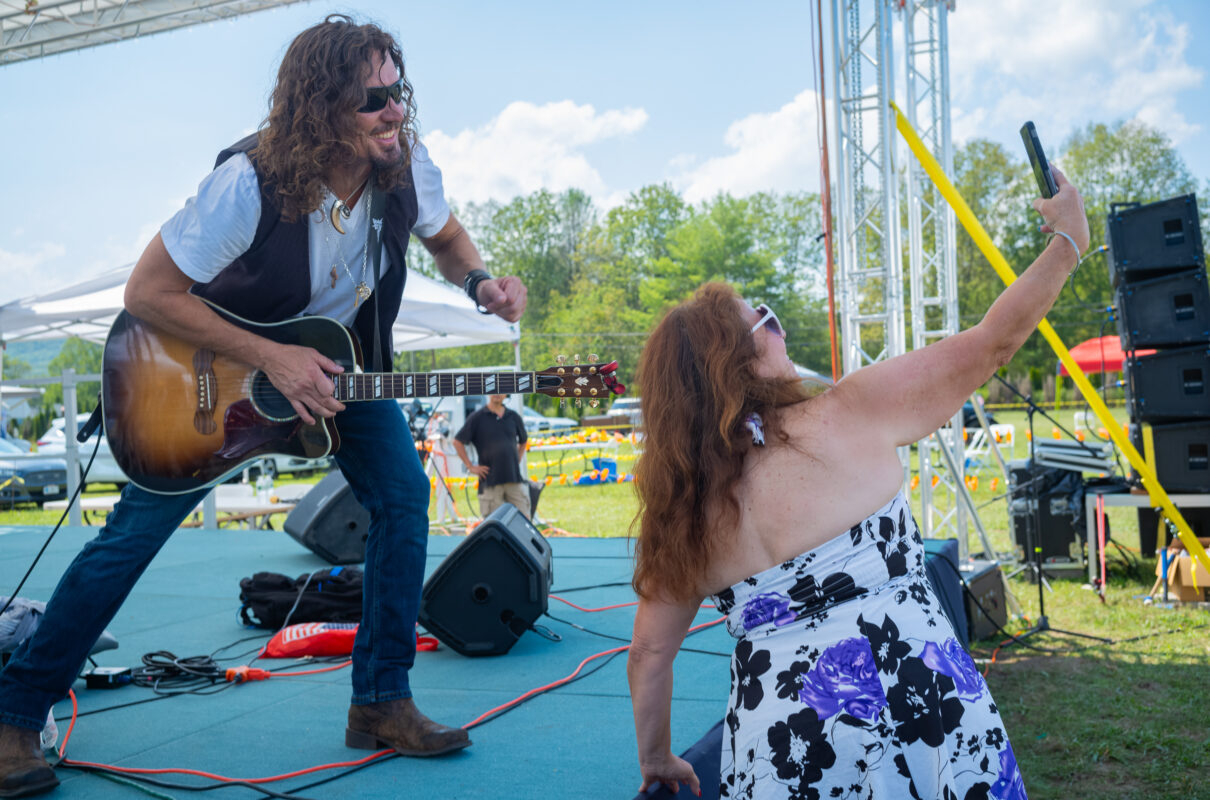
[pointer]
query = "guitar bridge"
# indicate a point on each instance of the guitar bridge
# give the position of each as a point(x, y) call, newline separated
point(207, 388)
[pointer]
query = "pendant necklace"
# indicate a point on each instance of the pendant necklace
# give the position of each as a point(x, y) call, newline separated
point(360, 288)
point(340, 208)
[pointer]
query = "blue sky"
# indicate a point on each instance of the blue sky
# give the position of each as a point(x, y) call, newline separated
point(101, 145)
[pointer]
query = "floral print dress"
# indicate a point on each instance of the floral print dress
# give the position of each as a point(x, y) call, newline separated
point(848, 682)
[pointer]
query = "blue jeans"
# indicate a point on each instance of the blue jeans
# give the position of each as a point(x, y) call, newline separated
point(379, 460)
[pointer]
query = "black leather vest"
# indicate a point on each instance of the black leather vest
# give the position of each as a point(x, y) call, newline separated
point(271, 281)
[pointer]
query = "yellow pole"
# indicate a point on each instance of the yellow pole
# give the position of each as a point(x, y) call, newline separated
point(985, 245)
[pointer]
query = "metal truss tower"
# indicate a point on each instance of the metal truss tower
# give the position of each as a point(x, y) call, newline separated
point(867, 202)
point(871, 222)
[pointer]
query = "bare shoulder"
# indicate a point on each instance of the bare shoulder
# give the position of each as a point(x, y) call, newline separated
point(798, 493)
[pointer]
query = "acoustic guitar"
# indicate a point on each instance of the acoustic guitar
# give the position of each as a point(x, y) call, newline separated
point(179, 418)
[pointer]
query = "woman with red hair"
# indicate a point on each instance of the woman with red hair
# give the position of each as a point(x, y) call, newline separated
point(787, 510)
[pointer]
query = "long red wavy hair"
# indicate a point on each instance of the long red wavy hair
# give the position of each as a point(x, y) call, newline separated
point(699, 383)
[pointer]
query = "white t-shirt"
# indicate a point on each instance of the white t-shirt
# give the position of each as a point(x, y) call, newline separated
point(218, 225)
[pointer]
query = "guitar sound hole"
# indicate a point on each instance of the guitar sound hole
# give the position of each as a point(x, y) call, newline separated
point(269, 402)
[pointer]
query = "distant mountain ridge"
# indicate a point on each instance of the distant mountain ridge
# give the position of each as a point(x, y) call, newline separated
point(38, 354)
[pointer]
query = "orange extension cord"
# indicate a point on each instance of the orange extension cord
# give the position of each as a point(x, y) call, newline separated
point(250, 675)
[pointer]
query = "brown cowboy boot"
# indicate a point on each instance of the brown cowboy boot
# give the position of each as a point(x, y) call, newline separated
point(400, 725)
point(23, 768)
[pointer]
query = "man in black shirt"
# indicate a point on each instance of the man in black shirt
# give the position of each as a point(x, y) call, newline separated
point(498, 434)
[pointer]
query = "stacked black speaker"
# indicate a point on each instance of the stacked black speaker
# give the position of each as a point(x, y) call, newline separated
point(1158, 270)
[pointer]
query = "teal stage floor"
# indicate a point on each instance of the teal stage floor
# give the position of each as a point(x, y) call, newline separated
point(573, 742)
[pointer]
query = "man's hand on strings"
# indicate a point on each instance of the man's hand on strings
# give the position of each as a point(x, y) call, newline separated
point(303, 375)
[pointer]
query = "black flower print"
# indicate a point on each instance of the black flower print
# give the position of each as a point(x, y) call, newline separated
point(923, 704)
point(725, 601)
point(800, 748)
point(749, 666)
point(901, 766)
point(885, 644)
point(789, 681)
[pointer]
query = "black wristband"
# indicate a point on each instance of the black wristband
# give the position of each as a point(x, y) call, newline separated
point(471, 285)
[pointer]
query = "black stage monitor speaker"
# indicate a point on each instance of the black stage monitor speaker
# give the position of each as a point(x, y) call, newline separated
point(986, 585)
point(330, 522)
point(491, 588)
point(1154, 239)
point(1046, 508)
point(1172, 311)
point(1182, 454)
point(1169, 385)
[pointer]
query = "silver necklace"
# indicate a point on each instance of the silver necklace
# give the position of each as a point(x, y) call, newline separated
point(360, 288)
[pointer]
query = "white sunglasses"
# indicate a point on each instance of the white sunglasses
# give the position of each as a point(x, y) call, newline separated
point(769, 320)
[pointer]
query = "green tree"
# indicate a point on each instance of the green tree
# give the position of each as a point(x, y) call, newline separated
point(15, 368)
point(85, 358)
point(537, 238)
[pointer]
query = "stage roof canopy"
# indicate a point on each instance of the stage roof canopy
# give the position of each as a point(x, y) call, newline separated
point(433, 314)
point(36, 28)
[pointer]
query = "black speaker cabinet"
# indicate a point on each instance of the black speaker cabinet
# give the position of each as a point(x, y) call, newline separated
point(491, 587)
point(1171, 311)
point(1154, 239)
point(1182, 454)
point(1169, 385)
point(1149, 520)
point(1046, 510)
point(330, 522)
point(986, 586)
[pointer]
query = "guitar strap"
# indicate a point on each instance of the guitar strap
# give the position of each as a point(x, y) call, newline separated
point(374, 243)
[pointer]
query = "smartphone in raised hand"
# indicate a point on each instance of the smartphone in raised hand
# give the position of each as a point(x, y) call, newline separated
point(1037, 160)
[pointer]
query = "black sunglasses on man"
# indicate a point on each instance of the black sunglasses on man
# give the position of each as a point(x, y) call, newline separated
point(376, 97)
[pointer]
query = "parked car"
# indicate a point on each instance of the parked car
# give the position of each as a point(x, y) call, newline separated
point(27, 478)
point(104, 469)
point(624, 414)
point(536, 422)
point(274, 465)
point(626, 407)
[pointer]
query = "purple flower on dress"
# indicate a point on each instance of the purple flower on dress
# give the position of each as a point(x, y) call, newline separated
point(1009, 785)
point(845, 678)
point(768, 607)
point(951, 659)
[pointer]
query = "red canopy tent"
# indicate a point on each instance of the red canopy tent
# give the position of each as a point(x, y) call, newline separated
point(1103, 354)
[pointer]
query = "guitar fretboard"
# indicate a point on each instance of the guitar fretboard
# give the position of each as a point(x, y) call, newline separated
point(380, 385)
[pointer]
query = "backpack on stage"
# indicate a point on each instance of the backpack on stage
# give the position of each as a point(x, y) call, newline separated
point(327, 595)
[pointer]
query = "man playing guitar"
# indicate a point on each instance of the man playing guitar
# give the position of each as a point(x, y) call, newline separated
point(312, 215)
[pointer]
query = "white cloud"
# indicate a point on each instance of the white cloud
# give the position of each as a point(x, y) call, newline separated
point(529, 147)
point(23, 274)
point(774, 151)
point(1077, 62)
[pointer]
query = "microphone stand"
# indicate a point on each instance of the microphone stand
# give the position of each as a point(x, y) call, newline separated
point(1035, 529)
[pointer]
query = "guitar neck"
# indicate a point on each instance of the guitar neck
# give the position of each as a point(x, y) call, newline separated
point(387, 385)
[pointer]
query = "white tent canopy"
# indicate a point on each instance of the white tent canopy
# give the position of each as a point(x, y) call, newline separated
point(432, 315)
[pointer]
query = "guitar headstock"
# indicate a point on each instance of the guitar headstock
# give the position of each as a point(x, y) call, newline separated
point(592, 381)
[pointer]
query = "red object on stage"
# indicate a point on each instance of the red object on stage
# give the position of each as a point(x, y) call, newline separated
point(312, 639)
point(1103, 354)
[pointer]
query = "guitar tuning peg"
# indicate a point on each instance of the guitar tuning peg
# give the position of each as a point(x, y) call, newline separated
point(593, 357)
point(576, 358)
point(578, 403)
point(562, 402)
point(594, 402)
point(560, 359)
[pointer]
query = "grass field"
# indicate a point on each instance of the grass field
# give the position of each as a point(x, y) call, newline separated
point(1124, 719)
